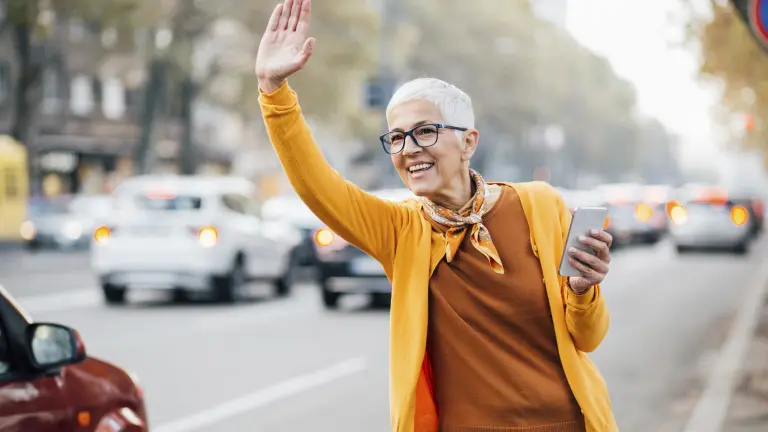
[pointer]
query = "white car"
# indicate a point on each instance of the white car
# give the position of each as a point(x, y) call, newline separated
point(710, 223)
point(190, 233)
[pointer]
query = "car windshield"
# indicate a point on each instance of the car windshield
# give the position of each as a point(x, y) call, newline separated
point(91, 205)
point(132, 202)
point(168, 203)
point(40, 207)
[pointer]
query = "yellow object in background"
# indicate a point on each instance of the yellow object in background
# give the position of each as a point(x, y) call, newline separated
point(14, 188)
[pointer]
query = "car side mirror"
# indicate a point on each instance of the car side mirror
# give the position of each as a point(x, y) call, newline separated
point(54, 345)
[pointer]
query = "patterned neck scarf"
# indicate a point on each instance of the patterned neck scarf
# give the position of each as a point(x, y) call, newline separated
point(459, 222)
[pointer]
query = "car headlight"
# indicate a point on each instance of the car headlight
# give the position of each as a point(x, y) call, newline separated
point(72, 230)
point(28, 231)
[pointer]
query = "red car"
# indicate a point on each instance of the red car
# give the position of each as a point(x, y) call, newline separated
point(49, 384)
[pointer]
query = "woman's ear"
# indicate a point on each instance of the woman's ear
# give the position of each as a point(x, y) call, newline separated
point(469, 144)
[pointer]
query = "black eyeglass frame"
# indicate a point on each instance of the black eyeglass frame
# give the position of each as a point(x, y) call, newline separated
point(409, 133)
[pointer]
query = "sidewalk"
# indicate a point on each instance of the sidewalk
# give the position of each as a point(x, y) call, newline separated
point(748, 411)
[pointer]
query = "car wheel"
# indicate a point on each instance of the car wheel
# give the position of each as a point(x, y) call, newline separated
point(113, 294)
point(228, 289)
point(330, 298)
point(741, 249)
point(682, 249)
point(284, 284)
point(381, 300)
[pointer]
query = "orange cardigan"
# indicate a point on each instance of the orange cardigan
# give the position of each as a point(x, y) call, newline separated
point(402, 240)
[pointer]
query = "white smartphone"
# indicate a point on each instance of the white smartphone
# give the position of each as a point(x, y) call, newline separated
point(584, 220)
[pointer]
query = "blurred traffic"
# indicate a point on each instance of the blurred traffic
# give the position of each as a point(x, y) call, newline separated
point(190, 235)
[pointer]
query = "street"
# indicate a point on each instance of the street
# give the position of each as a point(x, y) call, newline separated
point(288, 365)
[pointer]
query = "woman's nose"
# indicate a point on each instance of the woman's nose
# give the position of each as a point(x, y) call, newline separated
point(410, 146)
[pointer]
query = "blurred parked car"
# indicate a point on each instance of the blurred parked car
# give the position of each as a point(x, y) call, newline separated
point(344, 269)
point(191, 233)
point(291, 209)
point(50, 384)
point(64, 222)
point(633, 219)
point(711, 220)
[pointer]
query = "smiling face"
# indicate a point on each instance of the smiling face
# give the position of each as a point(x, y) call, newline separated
point(439, 172)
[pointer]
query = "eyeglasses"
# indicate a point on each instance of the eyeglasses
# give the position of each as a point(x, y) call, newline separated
point(423, 135)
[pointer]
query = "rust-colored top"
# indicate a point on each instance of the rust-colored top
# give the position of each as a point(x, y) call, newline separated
point(491, 338)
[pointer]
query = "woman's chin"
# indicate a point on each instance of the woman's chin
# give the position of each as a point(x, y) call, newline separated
point(421, 189)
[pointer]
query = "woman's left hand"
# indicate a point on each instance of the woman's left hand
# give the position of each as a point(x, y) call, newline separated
point(593, 268)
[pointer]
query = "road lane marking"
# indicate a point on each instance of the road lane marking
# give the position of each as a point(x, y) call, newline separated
point(58, 302)
point(263, 397)
point(711, 409)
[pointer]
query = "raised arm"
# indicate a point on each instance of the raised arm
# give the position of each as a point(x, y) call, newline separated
point(368, 222)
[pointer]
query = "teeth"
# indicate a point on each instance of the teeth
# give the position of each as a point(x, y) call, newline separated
point(420, 167)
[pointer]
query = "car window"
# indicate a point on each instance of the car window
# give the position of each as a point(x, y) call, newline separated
point(5, 354)
point(241, 204)
point(171, 203)
point(234, 203)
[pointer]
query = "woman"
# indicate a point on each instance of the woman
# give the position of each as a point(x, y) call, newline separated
point(485, 336)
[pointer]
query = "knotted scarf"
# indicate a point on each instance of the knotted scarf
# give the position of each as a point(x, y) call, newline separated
point(458, 223)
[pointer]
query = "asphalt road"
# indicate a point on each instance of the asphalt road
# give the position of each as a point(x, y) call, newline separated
point(288, 365)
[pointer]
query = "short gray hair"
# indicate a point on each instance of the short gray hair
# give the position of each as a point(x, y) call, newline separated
point(455, 106)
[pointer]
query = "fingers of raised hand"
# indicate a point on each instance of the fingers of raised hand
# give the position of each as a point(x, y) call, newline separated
point(304, 16)
point(274, 20)
point(294, 17)
point(285, 15)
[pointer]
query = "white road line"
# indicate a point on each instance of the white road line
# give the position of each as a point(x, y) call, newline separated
point(264, 397)
point(61, 301)
point(711, 410)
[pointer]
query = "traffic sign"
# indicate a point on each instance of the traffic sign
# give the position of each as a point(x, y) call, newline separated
point(755, 14)
point(758, 21)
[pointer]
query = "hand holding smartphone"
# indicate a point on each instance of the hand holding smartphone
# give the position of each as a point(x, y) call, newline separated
point(584, 220)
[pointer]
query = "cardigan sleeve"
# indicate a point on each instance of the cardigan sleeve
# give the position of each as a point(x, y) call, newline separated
point(370, 223)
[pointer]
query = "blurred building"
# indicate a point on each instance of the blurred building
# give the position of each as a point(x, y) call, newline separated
point(88, 117)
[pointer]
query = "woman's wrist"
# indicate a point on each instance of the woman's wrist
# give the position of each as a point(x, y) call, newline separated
point(576, 290)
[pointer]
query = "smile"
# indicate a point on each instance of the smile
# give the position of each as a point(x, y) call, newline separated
point(420, 167)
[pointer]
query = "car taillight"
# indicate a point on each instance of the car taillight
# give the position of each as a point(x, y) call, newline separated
point(678, 214)
point(208, 236)
point(739, 215)
point(643, 212)
point(758, 207)
point(324, 237)
point(102, 234)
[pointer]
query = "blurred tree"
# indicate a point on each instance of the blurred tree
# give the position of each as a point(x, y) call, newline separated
point(32, 24)
point(332, 86)
point(732, 58)
point(173, 83)
point(523, 75)
point(658, 160)
point(211, 52)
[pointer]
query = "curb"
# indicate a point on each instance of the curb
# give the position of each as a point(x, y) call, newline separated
point(711, 410)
